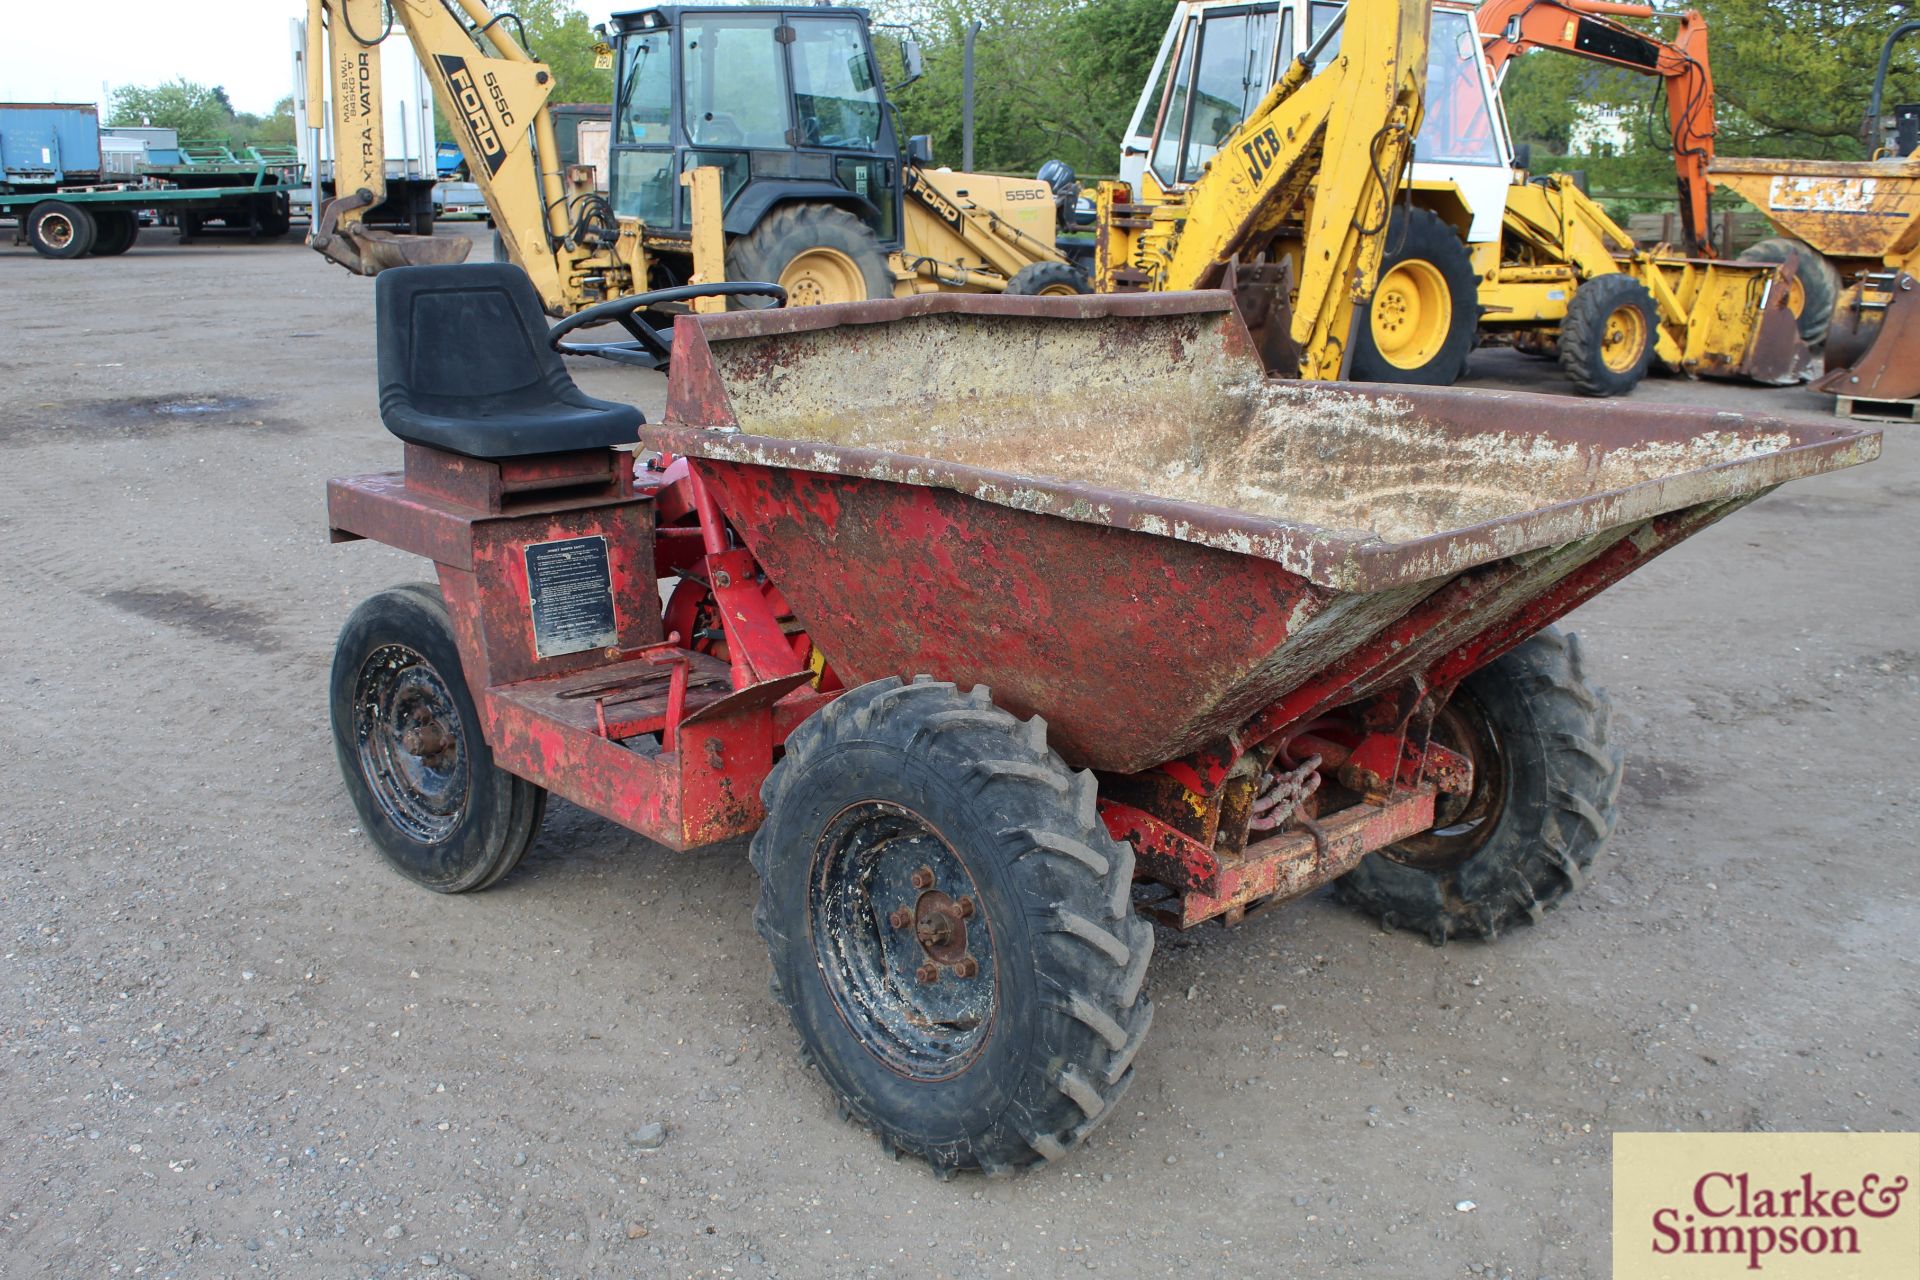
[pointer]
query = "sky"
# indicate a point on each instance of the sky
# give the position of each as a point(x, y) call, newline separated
point(46, 55)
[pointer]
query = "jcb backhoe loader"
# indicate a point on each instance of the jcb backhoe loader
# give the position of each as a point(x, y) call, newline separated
point(751, 143)
point(1289, 208)
point(1476, 246)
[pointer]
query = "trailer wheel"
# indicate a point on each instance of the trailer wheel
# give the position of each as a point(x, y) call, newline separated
point(1816, 286)
point(57, 229)
point(1606, 341)
point(115, 230)
point(273, 218)
point(1546, 775)
point(817, 252)
point(1420, 324)
point(1049, 280)
point(410, 746)
point(950, 926)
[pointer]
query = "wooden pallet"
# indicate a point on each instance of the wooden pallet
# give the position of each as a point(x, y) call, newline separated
point(1864, 410)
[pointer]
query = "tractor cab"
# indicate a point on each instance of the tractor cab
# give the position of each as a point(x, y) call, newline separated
point(787, 103)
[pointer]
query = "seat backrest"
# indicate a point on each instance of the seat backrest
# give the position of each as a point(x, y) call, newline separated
point(466, 337)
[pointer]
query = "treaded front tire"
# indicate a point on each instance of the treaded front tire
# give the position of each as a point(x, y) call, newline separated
point(1016, 1063)
point(1607, 339)
point(1049, 280)
point(1546, 778)
point(439, 811)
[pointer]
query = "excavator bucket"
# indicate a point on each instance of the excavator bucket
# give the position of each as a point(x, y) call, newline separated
point(368, 251)
point(1873, 346)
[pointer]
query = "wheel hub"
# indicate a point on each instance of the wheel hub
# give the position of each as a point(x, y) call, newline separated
point(901, 940)
point(407, 734)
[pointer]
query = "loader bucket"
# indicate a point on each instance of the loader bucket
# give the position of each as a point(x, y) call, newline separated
point(1873, 348)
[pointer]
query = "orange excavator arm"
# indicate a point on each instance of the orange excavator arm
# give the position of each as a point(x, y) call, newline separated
point(1586, 29)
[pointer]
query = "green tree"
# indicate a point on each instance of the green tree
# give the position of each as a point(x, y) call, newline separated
point(560, 37)
point(193, 109)
point(1054, 78)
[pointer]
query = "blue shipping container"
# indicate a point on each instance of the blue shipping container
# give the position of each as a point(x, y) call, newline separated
point(48, 142)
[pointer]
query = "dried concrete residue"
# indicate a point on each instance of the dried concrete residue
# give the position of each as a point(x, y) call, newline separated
point(1155, 405)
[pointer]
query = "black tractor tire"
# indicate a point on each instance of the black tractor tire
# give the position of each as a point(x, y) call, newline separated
point(57, 229)
point(994, 1070)
point(445, 817)
point(1442, 298)
point(1819, 282)
point(819, 252)
point(115, 230)
point(1603, 350)
point(274, 218)
point(1546, 778)
point(1049, 279)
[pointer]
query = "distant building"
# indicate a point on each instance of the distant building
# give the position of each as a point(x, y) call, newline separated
point(1599, 130)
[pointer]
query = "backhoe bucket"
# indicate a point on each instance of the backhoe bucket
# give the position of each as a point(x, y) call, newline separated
point(1873, 346)
point(368, 251)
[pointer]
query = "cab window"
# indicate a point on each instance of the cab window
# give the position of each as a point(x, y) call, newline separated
point(736, 81)
point(1223, 71)
point(646, 90)
point(836, 94)
point(1458, 126)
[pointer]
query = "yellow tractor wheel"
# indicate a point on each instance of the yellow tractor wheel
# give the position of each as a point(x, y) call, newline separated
point(1412, 313)
point(1607, 339)
point(1421, 322)
point(818, 253)
point(822, 275)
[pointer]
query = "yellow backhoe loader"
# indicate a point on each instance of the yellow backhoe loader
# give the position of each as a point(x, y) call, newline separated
point(1290, 207)
point(751, 143)
point(1476, 246)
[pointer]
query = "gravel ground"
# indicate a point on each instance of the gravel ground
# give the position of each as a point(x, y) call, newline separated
point(234, 1044)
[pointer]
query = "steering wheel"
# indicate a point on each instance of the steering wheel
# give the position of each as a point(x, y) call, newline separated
point(650, 347)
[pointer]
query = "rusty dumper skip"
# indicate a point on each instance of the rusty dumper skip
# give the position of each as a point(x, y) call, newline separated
point(1007, 623)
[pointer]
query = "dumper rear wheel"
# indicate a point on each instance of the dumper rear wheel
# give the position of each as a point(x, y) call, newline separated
point(950, 926)
point(1606, 341)
point(1816, 285)
point(1546, 774)
point(410, 746)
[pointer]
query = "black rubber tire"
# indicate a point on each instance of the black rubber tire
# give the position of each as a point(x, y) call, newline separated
point(1068, 954)
point(765, 252)
point(1558, 779)
point(1583, 335)
point(1421, 234)
point(115, 230)
point(1819, 282)
point(274, 218)
point(57, 229)
point(1042, 277)
point(499, 815)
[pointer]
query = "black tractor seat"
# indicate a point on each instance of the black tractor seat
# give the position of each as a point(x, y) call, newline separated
point(465, 366)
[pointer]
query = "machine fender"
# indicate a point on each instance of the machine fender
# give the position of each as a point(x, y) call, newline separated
point(758, 198)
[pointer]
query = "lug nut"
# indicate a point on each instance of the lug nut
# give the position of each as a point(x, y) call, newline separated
point(922, 879)
point(967, 967)
point(964, 908)
point(928, 973)
point(901, 918)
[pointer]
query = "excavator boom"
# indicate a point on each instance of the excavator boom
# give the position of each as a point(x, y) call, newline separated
point(1586, 29)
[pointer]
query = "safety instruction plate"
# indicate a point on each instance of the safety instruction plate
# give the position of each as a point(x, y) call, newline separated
point(570, 590)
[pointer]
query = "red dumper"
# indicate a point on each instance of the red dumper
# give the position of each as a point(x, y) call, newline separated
point(1006, 626)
